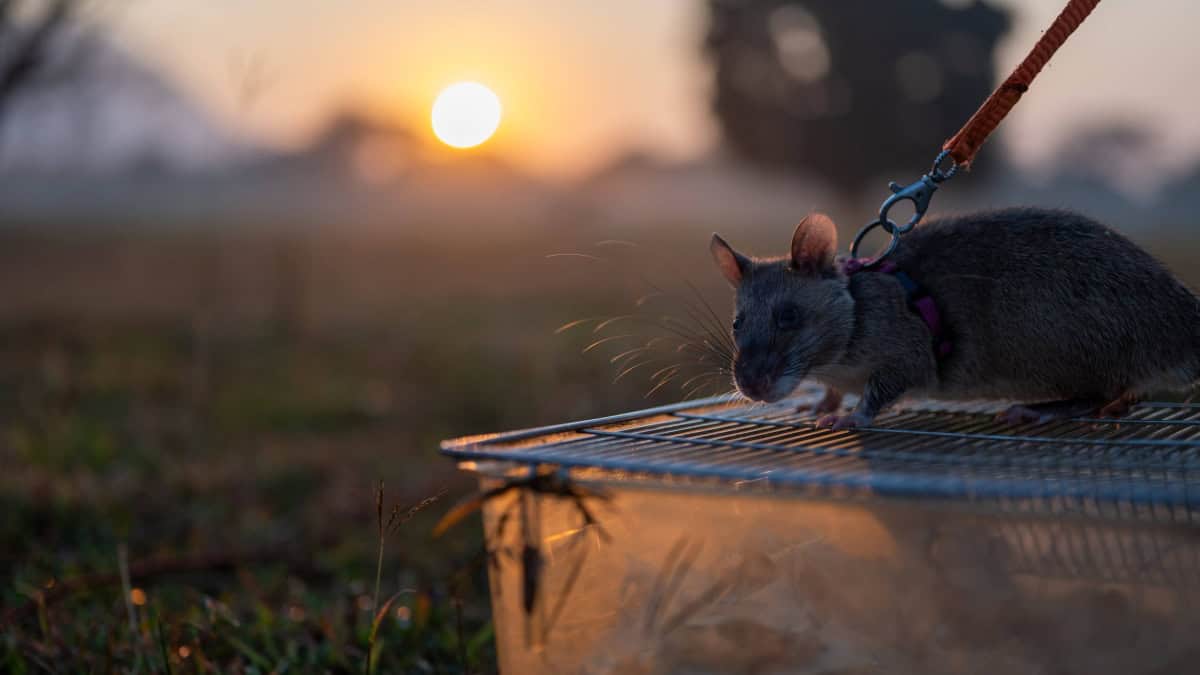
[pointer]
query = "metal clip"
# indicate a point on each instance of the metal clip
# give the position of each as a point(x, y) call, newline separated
point(919, 193)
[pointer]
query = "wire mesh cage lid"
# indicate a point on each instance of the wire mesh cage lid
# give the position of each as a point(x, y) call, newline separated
point(1143, 465)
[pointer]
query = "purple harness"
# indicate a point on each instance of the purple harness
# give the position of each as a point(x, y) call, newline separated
point(919, 301)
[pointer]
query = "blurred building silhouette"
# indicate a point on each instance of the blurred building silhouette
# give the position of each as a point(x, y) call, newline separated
point(849, 89)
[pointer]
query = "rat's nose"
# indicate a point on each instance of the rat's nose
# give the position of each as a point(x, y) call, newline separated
point(752, 389)
point(752, 380)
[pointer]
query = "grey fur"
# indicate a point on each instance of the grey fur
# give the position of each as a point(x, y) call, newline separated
point(1040, 305)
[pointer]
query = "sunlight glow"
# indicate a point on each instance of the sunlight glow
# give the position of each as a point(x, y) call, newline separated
point(466, 114)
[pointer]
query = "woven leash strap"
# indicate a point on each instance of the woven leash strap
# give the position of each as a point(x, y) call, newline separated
point(963, 145)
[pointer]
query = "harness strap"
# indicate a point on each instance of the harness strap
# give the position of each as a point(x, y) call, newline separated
point(919, 300)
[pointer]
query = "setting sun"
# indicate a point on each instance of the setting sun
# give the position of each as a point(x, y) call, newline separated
point(466, 114)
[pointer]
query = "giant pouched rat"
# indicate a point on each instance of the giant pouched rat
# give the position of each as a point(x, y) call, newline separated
point(1045, 307)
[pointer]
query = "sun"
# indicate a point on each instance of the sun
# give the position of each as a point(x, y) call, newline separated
point(465, 114)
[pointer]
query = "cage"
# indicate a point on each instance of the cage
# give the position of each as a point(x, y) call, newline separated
point(725, 537)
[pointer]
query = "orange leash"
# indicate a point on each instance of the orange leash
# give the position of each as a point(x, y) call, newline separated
point(962, 147)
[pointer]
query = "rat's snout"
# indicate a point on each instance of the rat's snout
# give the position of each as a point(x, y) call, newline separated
point(755, 376)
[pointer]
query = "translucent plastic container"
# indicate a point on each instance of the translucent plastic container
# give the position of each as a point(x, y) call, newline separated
point(935, 543)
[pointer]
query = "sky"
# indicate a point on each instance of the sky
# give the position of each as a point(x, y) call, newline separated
point(582, 82)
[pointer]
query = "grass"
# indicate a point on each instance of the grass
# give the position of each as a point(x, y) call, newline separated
point(249, 552)
point(193, 446)
point(194, 459)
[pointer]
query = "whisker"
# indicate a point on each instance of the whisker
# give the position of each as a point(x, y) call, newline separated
point(585, 256)
point(628, 352)
point(703, 352)
point(656, 339)
point(649, 296)
point(702, 325)
point(617, 242)
point(684, 301)
point(658, 386)
point(601, 341)
point(662, 371)
point(721, 334)
point(699, 388)
point(700, 377)
point(634, 367)
point(694, 391)
point(683, 330)
point(577, 322)
point(720, 325)
point(608, 322)
point(731, 395)
point(697, 343)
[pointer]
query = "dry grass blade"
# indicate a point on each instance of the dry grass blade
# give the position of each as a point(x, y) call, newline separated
point(683, 566)
point(568, 586)
point(127, 588)
point(162, 644)
point(375, 626)
point(707, 597)
point(591, 521)
point(399, 518)
point(658, 592)
point(531, 576)
point(465, 507)
point(379, 507)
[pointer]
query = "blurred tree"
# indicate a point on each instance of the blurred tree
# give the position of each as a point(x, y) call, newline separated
point(849, 89)
point(1124, 154)
point(27, 32)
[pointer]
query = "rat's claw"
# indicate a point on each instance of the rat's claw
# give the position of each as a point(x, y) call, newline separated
point(1119, 407)
point(831, 402)
point(839, 422)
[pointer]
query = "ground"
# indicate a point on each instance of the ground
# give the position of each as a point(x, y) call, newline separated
point(213, 418)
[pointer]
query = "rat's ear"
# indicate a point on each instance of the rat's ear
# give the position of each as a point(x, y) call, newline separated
point(732, 264)
point(814, 244)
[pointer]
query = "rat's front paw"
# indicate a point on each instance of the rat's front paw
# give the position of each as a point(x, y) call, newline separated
point(831, 402)
point(1119, 407)
point(838, 422)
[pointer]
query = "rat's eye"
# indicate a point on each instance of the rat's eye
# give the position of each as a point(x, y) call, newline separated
point(737, 321)
point(787, 317)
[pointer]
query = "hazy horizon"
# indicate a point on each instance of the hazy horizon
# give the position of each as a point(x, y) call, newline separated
point(582, 83)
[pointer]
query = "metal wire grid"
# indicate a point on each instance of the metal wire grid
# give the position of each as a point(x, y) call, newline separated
point(1144, 466)
point(1074, 550)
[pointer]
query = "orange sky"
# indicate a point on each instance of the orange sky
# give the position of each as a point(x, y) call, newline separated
point(582, 81)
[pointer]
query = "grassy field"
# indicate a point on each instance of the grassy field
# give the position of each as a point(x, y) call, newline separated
point(194, 431)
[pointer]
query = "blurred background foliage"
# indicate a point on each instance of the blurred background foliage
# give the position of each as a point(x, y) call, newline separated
point(810, 85)
point(213, 348)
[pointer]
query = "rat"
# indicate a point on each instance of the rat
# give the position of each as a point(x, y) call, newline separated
point(1045, 307)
